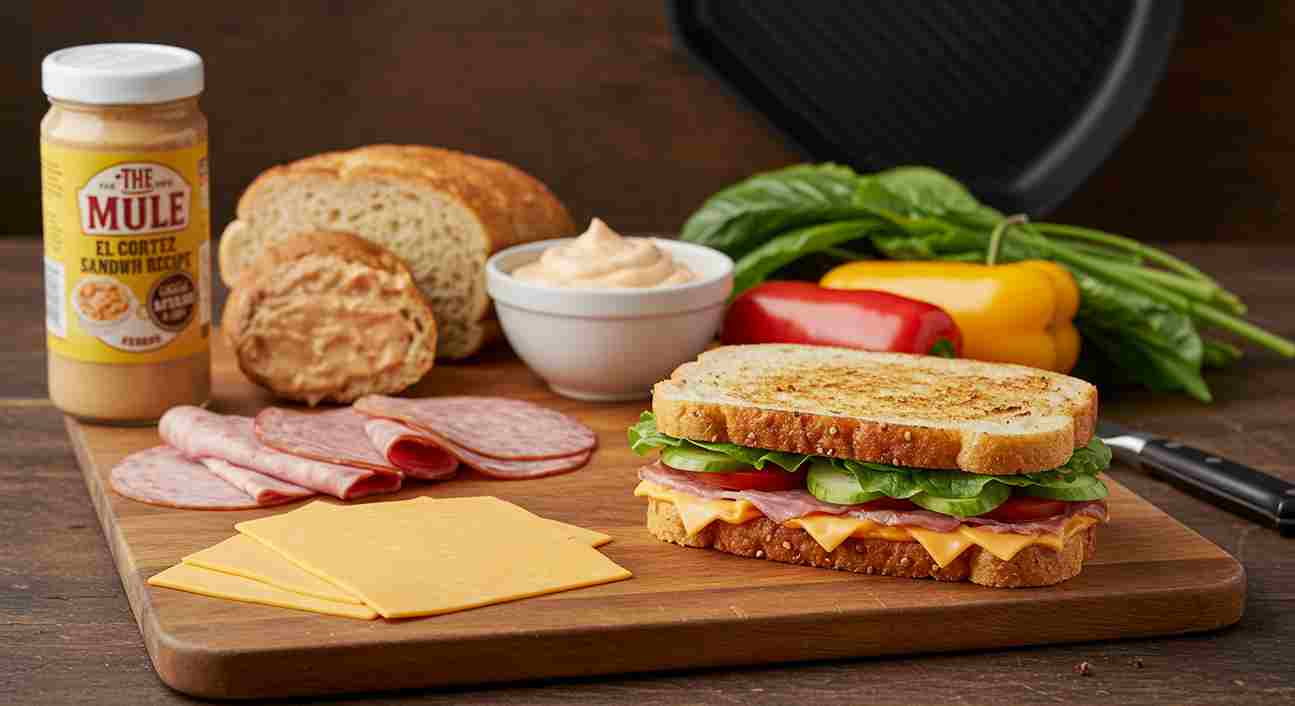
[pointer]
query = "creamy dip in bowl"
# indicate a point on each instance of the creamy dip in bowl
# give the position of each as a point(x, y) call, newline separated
point(601, 342)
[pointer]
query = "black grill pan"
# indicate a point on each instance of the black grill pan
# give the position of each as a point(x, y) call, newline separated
point(1020, 99)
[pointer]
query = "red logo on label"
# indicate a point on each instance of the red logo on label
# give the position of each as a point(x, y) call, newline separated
point(134, 199)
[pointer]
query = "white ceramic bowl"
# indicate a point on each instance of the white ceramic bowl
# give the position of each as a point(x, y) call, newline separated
point(609, 344)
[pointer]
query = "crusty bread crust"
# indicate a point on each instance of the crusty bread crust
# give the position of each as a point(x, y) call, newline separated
point(988, 439)
point(512, 206)
point(763, 538)
point(508, 205)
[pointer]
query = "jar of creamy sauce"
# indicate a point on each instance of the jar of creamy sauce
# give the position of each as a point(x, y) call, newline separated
point(127, 231)
point(601, 258)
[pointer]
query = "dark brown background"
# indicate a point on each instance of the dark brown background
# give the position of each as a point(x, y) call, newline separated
point(591, 96)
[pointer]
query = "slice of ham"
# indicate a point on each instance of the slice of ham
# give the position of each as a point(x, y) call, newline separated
point(202, 434)
point(336, 436)
point(497, 427)
point(266, 490)
point(1095, 509)
point(784, 505)
point(164, 476)
point(415, 453)
point(399, 440)
point(505, 469)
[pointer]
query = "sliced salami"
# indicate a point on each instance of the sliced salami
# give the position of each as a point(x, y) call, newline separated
point(163, 476)
point(335, 436)
point(385, 434)
point(413, 452)
point(265, 490)
point(202, 434)
point(507, 469)
point(497, 427)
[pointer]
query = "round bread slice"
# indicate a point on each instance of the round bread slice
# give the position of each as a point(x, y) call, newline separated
point(443, 212)
point(328, 316)
point(905, 410)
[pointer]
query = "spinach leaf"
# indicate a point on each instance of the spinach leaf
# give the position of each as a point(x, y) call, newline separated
point(741, 217)
point(644, 438)
point(899, 482)
point(1093, 458)
point(1159, 344)
point(923, 193)
point(756, 457)
point(794, 244)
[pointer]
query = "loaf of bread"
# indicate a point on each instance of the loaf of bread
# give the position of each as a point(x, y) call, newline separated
point(443, 212)
point(329, 316)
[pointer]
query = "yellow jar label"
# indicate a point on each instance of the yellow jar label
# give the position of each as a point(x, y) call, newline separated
point(127, 253)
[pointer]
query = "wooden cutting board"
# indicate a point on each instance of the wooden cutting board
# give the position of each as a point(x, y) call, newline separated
point(683, 608)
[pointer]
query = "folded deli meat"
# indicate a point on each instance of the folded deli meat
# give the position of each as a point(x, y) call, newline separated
point(222, 462)
point(876, 463)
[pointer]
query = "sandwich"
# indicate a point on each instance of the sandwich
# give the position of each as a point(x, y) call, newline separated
point(877, 463)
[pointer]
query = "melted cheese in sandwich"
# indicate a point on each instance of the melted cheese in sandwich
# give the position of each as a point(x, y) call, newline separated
point(830, 531)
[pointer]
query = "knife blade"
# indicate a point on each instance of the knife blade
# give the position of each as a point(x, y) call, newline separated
point(1219, 478)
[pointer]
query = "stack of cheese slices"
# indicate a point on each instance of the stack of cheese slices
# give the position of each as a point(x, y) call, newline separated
point(399, 559)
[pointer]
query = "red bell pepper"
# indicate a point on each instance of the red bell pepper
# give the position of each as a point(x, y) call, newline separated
point(803, 312)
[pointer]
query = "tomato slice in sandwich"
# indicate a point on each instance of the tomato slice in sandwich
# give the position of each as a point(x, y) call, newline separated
point(1023, 508)
point(752, 479)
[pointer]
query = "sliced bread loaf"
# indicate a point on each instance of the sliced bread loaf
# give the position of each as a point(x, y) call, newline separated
point(443, 212)
point(906, 410)
point(330, 316)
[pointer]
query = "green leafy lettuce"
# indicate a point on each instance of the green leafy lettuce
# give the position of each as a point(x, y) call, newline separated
point(644, 439)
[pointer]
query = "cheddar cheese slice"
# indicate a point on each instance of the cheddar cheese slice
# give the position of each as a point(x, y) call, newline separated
point(428, 557)
point(241, 555)
point(216, 584)
point(696, 513)
point(580, 534)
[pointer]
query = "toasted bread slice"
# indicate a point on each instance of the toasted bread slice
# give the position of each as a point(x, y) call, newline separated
point(763, 538)
point(906, 410)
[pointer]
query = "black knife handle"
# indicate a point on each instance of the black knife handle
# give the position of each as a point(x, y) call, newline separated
point(1267, 495)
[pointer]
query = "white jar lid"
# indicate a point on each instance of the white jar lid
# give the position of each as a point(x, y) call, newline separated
point(122, 73)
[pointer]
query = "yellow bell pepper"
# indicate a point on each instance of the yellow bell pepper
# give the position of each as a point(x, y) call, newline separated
point(1021, 312)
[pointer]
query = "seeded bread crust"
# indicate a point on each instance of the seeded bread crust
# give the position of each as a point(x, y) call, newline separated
point(763, 538)
point(905, 410)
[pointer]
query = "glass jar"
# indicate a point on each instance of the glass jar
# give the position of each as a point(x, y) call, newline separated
point(127, 232)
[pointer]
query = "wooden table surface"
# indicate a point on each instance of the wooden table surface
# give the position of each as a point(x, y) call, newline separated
point(67, 635)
